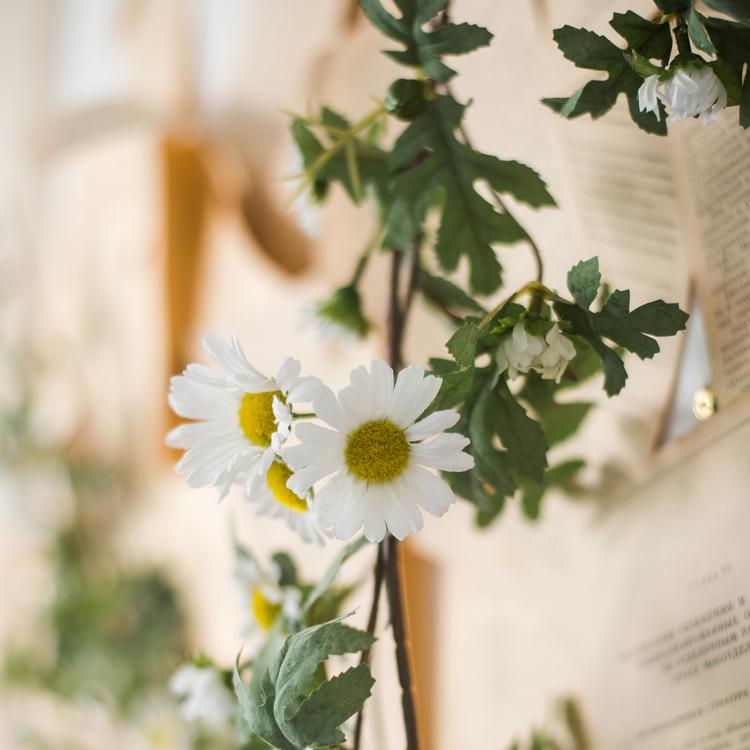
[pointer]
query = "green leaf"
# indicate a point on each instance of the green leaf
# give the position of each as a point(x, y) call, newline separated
point(521, 436)
point(290, 705)
point(732, 42)
point(559, 475)
point(447, 293)
point(454, 389)
point(424, 48)
point(447, 172)
point(629, 329)
point(287, 568)
point(559, 420)
point(584, 280)
point(331, 572)
point(589, 50)
point(697, 31)
point(463, 343)
point(650, 40)
point(737, 9)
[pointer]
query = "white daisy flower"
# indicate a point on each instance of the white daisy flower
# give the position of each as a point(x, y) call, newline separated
point(273, 498)
point(242, 417)
point(518, 352)
point(551, 363)
point(692, 91)
point(266, 596)
point(377, 454)
point(203, 695)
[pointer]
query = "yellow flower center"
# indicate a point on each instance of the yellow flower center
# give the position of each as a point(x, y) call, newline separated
point(377, 451)
point(265, 612)
point(256, 416)
point(277, 477)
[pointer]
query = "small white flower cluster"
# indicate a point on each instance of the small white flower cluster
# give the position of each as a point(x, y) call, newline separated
point(373, 465)
point(522, 352)
point(693, 90)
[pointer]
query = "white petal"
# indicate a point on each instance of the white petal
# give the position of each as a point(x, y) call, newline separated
point(382, 386)
point(413, 393)
point(432, 425)
point(328, 408)
point(304, 390)
point(444, 452)
point(288, 374)
point(430, 491)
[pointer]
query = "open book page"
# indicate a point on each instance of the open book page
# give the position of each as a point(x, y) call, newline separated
point(715, 162)
point(671, 664)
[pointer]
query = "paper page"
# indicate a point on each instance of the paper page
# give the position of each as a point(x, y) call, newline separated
point(716, 163)
point(671, 668)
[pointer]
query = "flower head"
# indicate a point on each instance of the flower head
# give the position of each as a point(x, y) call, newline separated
point(203, 695)
point(551, 363)
point(376, 455)
point(518, 352)
point(242, 417)
point(693, 90)
point(267, 593)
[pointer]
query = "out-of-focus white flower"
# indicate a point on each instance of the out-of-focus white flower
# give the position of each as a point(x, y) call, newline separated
point(262, 591)
point(157, 725)
point(559, 351)
point(518, 352)
point(693, 90)
point(377, 455)
point(203, 695)
point(242, 417)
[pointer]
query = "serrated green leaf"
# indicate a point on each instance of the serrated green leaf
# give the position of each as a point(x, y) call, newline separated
point(521, 436)
point(447, 171)
point(277, 704)
point(463, 343)
point(331, 704)
point(584, 280)
point(590, 50)
point(627, 329)
point(650, 40)
point(423, 48)
point(587, 49)
point(615, 373)
point(732, 42)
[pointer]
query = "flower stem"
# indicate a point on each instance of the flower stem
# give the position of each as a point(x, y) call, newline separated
point(372, 622)
point(398, 623)
point(682, 37)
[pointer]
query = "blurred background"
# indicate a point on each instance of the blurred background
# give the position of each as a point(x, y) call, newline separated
point(144, 200)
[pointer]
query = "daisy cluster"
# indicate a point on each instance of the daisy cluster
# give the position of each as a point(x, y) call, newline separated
point(367, 459)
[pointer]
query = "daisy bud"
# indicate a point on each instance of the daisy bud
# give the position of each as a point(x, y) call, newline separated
point(517, 352)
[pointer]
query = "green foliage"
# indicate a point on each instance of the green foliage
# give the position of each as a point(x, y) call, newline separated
point(561, 475)
point(431, 165)
point(647, 41)
point(424, 48)
point(616, 322)
point(463, 343)
point(447, 294)
point(589, 50)
point(289, 705)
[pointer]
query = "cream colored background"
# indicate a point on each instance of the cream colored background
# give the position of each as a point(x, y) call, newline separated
point(89, 88)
